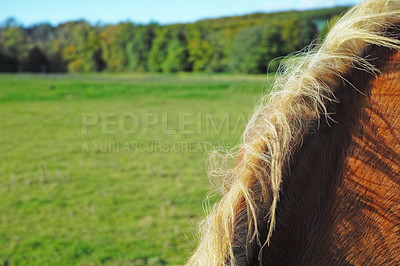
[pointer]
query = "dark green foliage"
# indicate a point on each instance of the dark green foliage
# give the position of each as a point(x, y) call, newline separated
point(37, 61)
point(248, 44)
point(8, 63)
point(57, 63)
point(98, 61)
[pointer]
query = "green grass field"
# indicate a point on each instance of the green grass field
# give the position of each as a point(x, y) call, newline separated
point(110, 169)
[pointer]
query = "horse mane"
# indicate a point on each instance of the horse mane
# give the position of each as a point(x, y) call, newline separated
point(300, 96)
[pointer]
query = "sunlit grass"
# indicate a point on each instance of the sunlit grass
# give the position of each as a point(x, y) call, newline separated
point(98, 193)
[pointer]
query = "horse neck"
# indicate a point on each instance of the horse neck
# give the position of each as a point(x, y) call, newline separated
point(368, 213)
point(340, 201)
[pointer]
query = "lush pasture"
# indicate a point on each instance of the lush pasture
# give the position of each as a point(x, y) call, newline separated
point(110, 169)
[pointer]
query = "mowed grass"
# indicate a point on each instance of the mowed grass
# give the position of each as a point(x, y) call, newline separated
point(111, 169)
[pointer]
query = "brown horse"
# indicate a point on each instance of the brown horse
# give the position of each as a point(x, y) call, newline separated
point(318, 179)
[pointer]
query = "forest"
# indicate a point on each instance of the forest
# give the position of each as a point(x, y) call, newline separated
point(254, 43)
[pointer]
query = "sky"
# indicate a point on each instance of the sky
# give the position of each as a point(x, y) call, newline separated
point(30, 12)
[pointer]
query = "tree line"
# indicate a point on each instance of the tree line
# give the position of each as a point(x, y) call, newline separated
point(247, 44)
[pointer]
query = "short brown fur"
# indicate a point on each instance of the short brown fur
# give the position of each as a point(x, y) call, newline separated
point(340, 203)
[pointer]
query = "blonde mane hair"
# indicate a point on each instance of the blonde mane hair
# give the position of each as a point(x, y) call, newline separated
point(277, 128)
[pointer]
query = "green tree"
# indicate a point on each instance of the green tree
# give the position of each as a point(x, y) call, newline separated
point(158, 51)
point(114, 40)
point(82, 42)
point(8, 63)
point(138, 48)
point(207, 45)
point(199, 47)
point(255, 47)
point(14, 42)
point(177, 53)
point(297, 33)
point(218, 58)
point(37, 61)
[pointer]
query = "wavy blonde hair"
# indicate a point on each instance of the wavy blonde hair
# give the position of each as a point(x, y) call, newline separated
point(277, 128)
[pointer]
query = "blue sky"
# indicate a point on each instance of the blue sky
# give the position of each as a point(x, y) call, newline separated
point(143, 11)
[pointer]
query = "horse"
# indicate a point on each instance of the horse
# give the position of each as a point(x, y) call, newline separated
point(317, 178)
